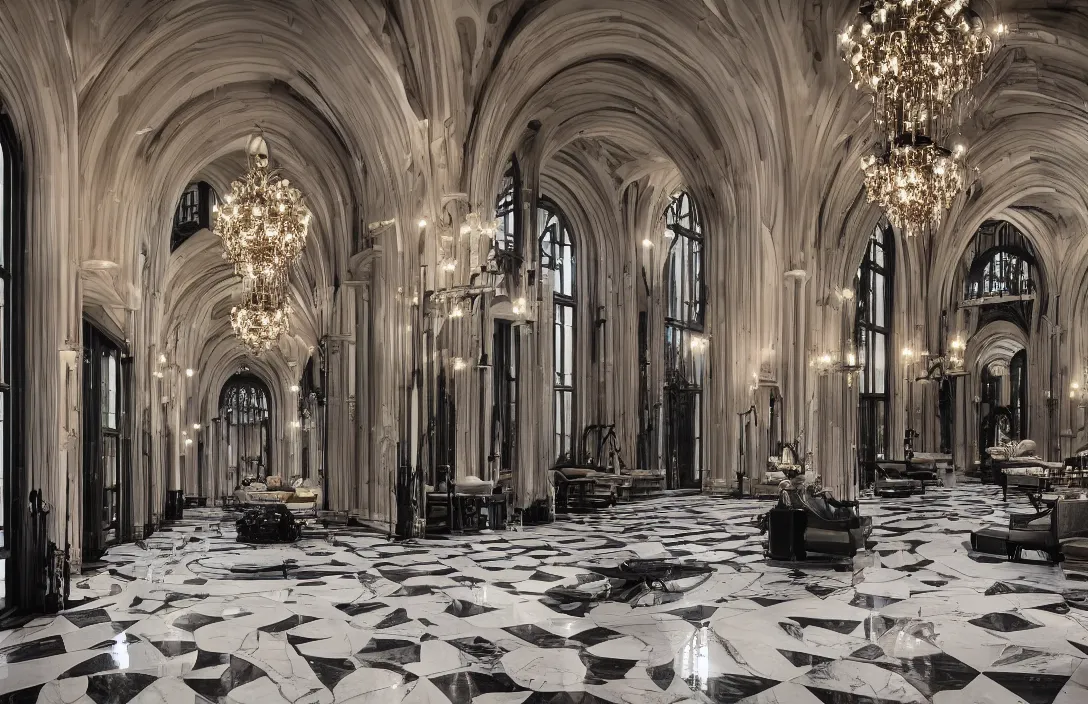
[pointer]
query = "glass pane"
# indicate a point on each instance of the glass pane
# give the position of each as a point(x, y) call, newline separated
point(3, 472)
point(879, 302)
point(3, 326)
point(880, 366)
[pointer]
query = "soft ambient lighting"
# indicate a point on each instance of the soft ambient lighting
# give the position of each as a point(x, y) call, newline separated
point(908, 353)
point(423, 222)
point(162, 359)
point(196, 426)
point(957, 344)
point(519, 307)
point(450, 265)
point(698, 344)
point(188, 441)
point(294, 388)
point(848, 294)
point(189, 373)
point(296, 424)
point(458, 364)
point(158, 375)
point(457, 313)
point(647, 243)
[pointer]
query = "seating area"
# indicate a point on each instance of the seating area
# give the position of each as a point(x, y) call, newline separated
point(1062, 525)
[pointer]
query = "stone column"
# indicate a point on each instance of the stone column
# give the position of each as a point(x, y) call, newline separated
point(795, 355)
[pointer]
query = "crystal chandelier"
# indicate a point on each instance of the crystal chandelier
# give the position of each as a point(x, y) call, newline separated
point(914, 182)
point(263, 224)
point(914, 57)
point(262, 318)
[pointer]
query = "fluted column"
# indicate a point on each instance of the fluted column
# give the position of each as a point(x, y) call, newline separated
point(794, 354)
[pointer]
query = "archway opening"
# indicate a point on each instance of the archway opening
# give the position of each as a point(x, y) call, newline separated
point(245, 406)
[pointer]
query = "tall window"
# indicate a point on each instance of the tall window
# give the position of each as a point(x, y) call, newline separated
point(508, 236)
point(103, 403)
point(557, 254)
point(10, 239)
point(244, 405)
point(873, 339)
point(685, 364)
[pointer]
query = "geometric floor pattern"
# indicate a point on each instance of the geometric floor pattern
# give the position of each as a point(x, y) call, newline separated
point(192, 617)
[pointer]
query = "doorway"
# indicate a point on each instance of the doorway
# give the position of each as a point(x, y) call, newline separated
point(103, 419)
point(244, 405)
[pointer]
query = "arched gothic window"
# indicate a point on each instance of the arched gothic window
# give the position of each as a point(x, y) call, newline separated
point(1001, 272)
point(873, 339)
point(193, 213)
point(685, 365)
point(508, 236)
point(245, 409)
point(557, 254)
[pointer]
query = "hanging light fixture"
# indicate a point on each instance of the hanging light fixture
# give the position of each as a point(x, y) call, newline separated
point(914, 182)
point(261, 318)
point(914, 57)
point(263, 223)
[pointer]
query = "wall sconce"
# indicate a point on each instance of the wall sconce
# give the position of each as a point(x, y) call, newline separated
point(196, 426)
point(450, 266)
point(422, 223)
point(458, 364)
point(848, 294)
point(188, 442)
point(157, 374)
point(457, 313)
point(296, 424)
point(698, 343)
point(189, 373)
point(908, 354)
point(162, 359)
point(647, 243)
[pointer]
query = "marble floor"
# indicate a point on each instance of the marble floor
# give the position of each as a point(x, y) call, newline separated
point(191, 617)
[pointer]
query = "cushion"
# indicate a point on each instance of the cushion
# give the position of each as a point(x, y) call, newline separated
point(473, 485)
point(576, 472)
point(1024, 448)
point(1075, 548)
point(1072, 518)
point(275, 481)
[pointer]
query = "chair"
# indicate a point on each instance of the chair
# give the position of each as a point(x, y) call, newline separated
point(1046, 530)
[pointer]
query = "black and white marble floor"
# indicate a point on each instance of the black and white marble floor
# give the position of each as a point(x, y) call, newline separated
point(193, 617)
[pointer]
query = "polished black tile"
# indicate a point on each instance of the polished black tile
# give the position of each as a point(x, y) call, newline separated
point(467, 685)
point(729, 689)
point(1031, 687)
point(192, 621)
point(600, 669)
point(1004, 623)
point(330, 670)
point(118, 687)
point(465, 609)
point(361, 608)
point(33, 650)
point(287, 624)
point(88, 617)
point(932, 674)
point(397, 617)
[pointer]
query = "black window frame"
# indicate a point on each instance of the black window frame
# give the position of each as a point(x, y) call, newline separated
point(193, 212)
point(240, 403)
point(555, 238)
point(879, 259)
point(685, 317)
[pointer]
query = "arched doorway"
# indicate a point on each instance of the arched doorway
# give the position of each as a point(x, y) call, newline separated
point(246, 420)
